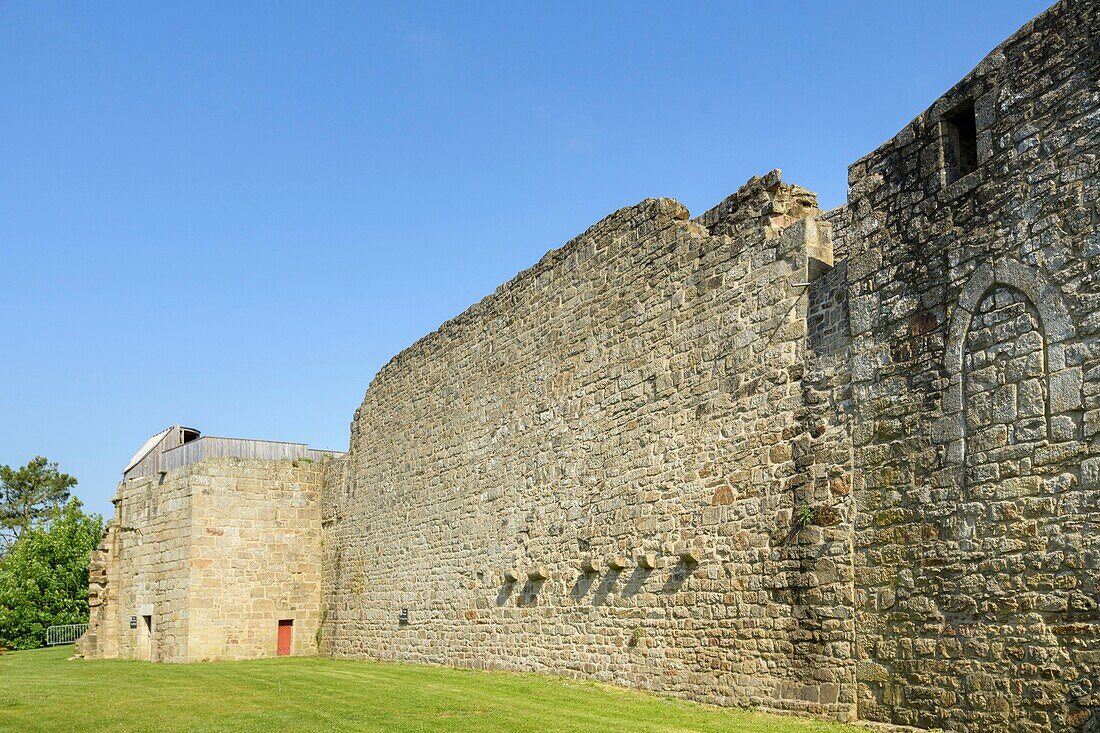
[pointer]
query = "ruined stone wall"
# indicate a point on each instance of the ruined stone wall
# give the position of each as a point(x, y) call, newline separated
point(215, 553)
point(823, 453)
point(624, 430)
point(976, 369)
point(840, 220)
point(141, 569)
point(841, 463)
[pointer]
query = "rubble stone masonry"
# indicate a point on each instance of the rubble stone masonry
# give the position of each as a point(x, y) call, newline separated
point(840, 463)
point(594, 471)
point(214, 554)
point(976, 384)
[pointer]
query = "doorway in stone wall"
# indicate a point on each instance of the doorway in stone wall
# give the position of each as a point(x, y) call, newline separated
point(150, 642)
point(286, 632)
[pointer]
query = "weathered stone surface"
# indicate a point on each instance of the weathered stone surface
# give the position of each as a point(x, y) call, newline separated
point(647, 395)
point(844, 463)
point(216, 554)
point(877, 425)
point(985, 497)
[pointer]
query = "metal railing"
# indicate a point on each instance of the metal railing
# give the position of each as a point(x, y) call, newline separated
point(65, 634)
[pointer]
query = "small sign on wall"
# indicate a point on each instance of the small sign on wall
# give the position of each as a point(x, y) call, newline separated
point(133, 622)
point(403, 617)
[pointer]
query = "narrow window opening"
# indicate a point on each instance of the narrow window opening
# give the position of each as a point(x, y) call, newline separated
point(960, 142)
point(149, 638)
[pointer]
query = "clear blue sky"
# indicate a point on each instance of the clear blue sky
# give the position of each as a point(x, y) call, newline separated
point(231, 215)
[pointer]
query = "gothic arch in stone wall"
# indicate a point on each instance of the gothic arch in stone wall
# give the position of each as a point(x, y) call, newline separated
point(1006, 394)
point(1044, 325)
point(1012, 411)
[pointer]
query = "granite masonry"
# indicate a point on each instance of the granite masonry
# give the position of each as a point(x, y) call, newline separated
point(209, 558)
point(842, 463)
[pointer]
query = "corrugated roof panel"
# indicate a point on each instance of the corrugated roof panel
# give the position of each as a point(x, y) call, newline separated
point(149, 445)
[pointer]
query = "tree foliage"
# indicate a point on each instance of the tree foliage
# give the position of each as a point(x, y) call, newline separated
point(44, 576)
point(28, 494)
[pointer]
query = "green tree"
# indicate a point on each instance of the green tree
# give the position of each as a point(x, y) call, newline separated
point(27, 494)
point(44, 577)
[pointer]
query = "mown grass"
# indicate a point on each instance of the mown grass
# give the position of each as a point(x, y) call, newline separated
point(45, 691)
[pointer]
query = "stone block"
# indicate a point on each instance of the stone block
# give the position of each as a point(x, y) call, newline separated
point(617, 562)
point(1065, 390)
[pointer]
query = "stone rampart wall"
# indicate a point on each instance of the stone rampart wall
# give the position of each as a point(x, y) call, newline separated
point(841, 463)
point(595, 471)
point(976, 368)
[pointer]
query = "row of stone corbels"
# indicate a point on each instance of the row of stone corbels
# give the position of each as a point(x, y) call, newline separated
point(684, 554)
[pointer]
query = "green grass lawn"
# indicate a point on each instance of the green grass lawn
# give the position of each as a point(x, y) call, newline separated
point(45, 691)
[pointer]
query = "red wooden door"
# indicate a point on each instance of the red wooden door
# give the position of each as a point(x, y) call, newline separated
point(285, 630)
